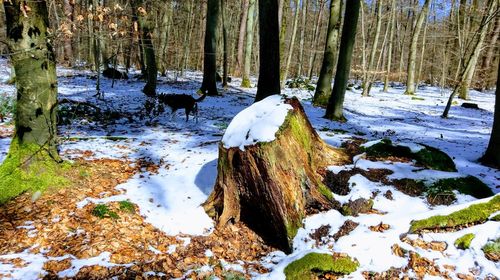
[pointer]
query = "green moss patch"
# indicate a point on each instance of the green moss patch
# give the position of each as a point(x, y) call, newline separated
point(127, 206)
point(467, 185)
point(29, 168)
point(476, 213)
point(102, 211)
point(492, 250)
point(464, 241)
point(318, 264)
point(429, 157)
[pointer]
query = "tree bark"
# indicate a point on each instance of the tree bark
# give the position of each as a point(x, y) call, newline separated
point(241, 38)
point(492, 155)
point(412, 55)
point(250, 27)
point(68, 6)
point(324, 85)
point(35, 68)
point(209, 84)
point(149, 52)
point(269, 54)
point(225, 45)
point(334, 110)
point(271, 186)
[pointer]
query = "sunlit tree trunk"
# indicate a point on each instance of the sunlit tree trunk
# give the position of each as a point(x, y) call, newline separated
point(367, 79)
point(302, 37)
point(492, 4)
point(250, 27)
point(391, 42)
point(334, 110)
point(412, 55)
point(324, 85)
point(241, 38)
point(292, 44)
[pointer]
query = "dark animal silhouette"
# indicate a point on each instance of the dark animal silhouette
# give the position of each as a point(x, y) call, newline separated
point(112, 73)
point(179, 101)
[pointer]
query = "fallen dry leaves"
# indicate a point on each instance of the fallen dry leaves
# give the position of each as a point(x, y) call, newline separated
point(59, 228)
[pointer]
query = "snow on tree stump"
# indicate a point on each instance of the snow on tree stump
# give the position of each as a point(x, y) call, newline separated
point(267, 171)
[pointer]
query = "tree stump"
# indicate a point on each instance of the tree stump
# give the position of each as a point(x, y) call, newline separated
point(268, 184)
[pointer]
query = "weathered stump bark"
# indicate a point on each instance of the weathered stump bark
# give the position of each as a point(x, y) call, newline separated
point(270, 185)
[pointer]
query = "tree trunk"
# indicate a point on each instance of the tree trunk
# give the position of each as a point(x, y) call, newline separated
point(32, 158)
point(269, 54)
point(412, 55)
point(485, 74)
point(324, 85)
point(334, 110)
point(225, 45)
point(67, 38)
point(492, 155)
point(302, 37)
point(149, 52)
point(391, 42)
point(367, 80)
point(473, 57)
point(314, 42)
point(250, 27)
point(209, 84)
point(422, 52)
point(292, 44)
point(241, 38)
point(271, 186)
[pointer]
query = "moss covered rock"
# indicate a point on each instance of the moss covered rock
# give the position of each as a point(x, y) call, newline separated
point(464, 241)
point(428, 156)
point(355, 207)
point(318, 264)
point(467, 185)
point(476, 213)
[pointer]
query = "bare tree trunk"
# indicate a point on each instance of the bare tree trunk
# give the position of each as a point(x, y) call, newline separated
point(31, 163)
point(224, 43)
point(324, 85)
point(269, 49)
point(492, 154)
point(314, 42)
point(292, 44)
point(391, 41)
point(412, 55)
point(68, 6)
point(241, 38)
point(420, 65)
point(334, 110)
point(209, 85)
point(367, 79)
point(302, 37)
point(485, 73)
point(250, 27)
point(490, 13)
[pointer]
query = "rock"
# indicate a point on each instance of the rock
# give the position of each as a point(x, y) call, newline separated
point(470, 105)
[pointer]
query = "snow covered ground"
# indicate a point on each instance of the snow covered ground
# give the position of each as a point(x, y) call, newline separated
point(187, 155)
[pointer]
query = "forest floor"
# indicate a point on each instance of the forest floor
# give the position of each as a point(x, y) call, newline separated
point(132, 208)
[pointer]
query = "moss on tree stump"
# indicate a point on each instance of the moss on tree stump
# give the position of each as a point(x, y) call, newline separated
point(269, 185)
